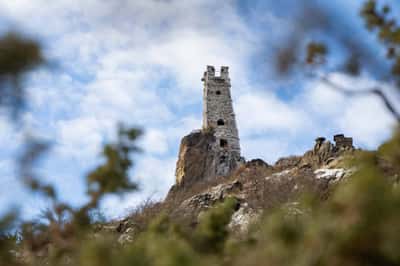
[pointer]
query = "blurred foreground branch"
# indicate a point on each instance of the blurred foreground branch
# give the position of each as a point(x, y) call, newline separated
point(18, 56)
point(372, 91)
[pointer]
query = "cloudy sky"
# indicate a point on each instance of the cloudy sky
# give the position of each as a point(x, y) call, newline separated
point(140, 62)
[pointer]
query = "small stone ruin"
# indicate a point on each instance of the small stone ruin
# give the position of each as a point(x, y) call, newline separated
point(342, 142)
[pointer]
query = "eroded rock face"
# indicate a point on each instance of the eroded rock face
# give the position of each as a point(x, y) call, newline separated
point(288, 162)
point(196, 159)
point(325, 152)
point(201, 159)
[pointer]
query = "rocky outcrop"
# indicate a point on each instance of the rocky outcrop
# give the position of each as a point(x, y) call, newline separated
point(196, 160)
point(243, 218)
point(257, 186)
point(287, 162)
point(201, 159)
point(325, 152)
point(213, 195)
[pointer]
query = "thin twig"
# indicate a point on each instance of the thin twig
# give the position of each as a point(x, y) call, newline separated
point(375, 91)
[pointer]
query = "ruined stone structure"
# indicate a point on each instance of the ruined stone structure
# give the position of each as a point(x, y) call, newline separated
point(324, 151)
point(213, 151)
point(219, 117)
point(343, 142)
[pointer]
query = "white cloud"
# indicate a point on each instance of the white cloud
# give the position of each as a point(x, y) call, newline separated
point(191, 49)
point(8, 182)
point(259, 113)
point(154, 176)
point(268, 149)
point(182, 127)
point(81, 138)
point(362, 117)
point(6, 129)
point(124, 98)
point(366, 120)
point(321, 100)
point(155, 141)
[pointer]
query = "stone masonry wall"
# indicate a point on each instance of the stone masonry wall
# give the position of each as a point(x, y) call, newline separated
point(219, 116)
point(343, 142)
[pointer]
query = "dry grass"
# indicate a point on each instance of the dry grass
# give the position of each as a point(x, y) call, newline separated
point(141, 215)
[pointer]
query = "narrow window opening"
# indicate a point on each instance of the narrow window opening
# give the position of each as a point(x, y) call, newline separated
point(218, 92)
point(220, 122)
point(223, 143)
point(222, 159)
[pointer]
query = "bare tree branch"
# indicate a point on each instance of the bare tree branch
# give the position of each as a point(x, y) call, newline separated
point(373, 91)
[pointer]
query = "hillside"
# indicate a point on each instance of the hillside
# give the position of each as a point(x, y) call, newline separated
point(334, 205)
point(257, 186)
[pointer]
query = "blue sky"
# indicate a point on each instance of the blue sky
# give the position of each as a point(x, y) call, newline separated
point(141, 62)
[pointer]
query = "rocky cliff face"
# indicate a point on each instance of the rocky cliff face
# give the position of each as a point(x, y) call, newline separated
point(196, 158)
point(199, 160)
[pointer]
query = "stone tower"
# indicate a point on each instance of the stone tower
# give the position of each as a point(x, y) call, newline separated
point(219, 117)
point(214, 151)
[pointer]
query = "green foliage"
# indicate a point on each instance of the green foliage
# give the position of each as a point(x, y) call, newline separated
point(112, 176)
point(390, 152)
point(8, 242)
point(387, 29)
point(163, 244)
point(211, 233)
point(316, 53)
point(64, 233)
point(97, 252)
point(18, 55)
point(33, 151)
point(164, 249)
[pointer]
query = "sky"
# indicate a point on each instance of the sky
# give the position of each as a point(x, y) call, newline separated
point(140, 62)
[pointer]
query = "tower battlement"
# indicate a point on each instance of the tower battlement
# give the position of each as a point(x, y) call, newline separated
point(210, 73)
